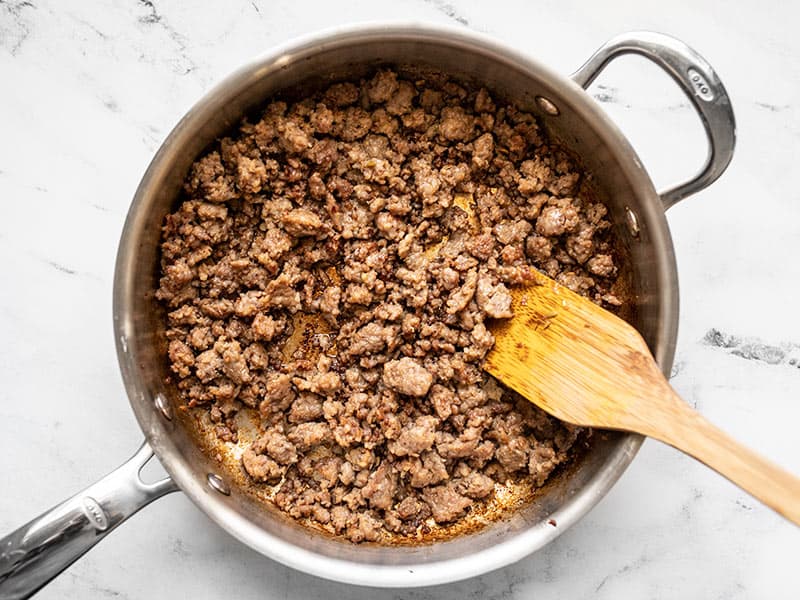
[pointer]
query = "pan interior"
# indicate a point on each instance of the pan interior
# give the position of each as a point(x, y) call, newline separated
point(617, 179)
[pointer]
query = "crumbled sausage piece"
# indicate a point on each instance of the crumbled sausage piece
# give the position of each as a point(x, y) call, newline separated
point(250, 175)
point(356, 124)
point(409, 507)
point(428, 469)
point(415, 437)
point(342, 94)
point(293, 138)
point(260, 467)
point(325, 383)
point(456, 123)
point(307, 407)
point(460, 298)
point(331, 270)
point(308, 435)
point(278, 391)
point(380, 487)
point(358, 294)
point(182, 358)
point(475, 485)
point(575, 281)
point(483, 101)
point(390, 226)
point(400, 102)
point(329, 305)
point(556, 220)
point(371, 338)
point(542, 462)
point(538, 248)
point(278, 447)
point(383, 86)
point(367, 528)
point(442, 399)
point(461, 447)
point(580, 245)
point(602, 265)
point(514, 454)
point(208, 365)
point(495, 300)
point(407, 376)
point(266, 327)
point(445, 502)
point(208, 179)
point(483, 151)
point(234, 364)
point(300, 222)
point(281, 293)
point(389, 311)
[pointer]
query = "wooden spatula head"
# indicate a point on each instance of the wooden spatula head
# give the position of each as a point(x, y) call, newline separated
point(577, 361)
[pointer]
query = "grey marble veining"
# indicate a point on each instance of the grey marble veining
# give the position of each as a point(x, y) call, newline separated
point(90, 89)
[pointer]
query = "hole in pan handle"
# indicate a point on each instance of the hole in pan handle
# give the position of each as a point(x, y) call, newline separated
point(698, 81)
point(41, 549)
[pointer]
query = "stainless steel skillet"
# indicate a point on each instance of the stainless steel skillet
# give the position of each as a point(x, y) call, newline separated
point(39, 550)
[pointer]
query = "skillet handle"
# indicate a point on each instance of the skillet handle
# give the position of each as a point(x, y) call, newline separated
point(38, 551)
point(700, 84)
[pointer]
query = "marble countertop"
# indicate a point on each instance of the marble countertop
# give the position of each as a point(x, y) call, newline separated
point(89, 91)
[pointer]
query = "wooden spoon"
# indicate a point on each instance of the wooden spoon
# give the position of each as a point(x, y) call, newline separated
point(586, 366)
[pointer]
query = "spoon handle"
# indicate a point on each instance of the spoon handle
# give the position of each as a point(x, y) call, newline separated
point(687, 430)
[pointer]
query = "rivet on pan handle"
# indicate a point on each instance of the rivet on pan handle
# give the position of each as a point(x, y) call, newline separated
point(700, 84)
point(41, 549)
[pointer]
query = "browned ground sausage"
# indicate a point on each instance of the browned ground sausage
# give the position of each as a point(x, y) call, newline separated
point(397, 214)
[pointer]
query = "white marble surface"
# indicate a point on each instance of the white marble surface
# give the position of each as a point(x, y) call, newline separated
point(90, 89)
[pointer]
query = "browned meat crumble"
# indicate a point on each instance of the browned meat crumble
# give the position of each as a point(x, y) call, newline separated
point(334, 264)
